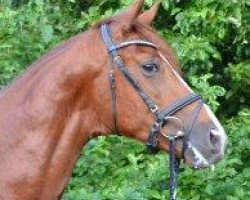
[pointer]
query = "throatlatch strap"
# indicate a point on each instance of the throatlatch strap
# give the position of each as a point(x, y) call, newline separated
point(112, 83)
point(106, 36)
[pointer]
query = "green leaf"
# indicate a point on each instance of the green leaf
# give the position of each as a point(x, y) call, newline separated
point(47, 33)
point(166, 4)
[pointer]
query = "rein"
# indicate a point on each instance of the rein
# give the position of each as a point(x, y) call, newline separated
point(162, 115)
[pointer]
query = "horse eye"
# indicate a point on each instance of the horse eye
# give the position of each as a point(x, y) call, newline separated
point(150, 68)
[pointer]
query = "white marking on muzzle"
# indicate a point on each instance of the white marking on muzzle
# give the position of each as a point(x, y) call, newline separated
point(200, 159)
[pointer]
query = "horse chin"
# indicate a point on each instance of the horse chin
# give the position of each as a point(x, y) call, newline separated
point(195, 160)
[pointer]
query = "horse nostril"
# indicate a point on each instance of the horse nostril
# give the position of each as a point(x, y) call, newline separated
point(212, 137)
point(215, 140)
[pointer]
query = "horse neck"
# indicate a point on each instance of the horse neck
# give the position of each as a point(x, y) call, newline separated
point(45, 120)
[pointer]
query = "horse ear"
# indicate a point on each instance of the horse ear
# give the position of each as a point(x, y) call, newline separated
point(129, 16)
point(148, 16)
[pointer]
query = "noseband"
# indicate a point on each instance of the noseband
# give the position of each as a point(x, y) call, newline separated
point(162, 115)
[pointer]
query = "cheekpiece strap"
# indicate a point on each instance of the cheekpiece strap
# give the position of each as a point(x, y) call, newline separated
point(112, 48)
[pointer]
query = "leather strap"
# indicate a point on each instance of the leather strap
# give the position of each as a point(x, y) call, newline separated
point(180, 104)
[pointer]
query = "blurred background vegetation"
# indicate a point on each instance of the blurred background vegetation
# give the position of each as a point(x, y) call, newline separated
point(211, 39)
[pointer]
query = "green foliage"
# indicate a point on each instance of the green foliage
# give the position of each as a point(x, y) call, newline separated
point(240, 85)
point(209, 93)
point(27, 33)
point(211, 39)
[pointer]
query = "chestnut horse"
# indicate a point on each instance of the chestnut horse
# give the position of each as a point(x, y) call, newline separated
point(63, 100)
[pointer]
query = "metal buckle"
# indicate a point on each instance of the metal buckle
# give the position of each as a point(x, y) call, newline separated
point(117, 60)
point(157, 125)
point(154, 109)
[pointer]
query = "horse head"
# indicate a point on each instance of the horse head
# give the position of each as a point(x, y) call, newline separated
point(155, 69)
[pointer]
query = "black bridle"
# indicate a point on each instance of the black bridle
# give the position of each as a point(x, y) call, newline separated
point(162, 116)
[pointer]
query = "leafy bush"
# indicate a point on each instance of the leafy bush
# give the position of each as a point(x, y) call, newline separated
point(210, 37)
